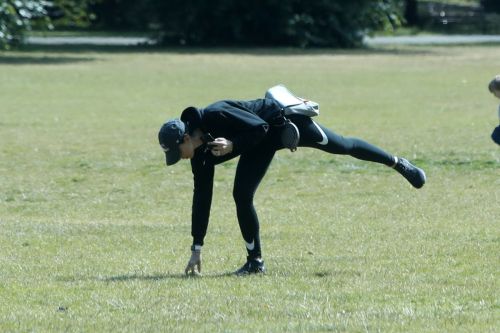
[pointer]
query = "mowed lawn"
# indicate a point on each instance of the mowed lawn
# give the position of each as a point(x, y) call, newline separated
point(95, 230)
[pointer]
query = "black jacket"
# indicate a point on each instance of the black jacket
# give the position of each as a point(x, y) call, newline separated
point(245, 123)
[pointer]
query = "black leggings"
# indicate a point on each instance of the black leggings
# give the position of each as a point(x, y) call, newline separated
point(253, 165)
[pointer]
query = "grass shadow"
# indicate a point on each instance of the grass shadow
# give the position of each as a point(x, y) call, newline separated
point(181, 276)
point(41, 60)
point(142, 277)
point(131, 277)
point(252, 51)
point(158, 277)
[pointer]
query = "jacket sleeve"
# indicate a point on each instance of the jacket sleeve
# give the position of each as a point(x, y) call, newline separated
point(203, 177)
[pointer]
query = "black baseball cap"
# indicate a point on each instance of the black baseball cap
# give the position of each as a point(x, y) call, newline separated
point(170, 136)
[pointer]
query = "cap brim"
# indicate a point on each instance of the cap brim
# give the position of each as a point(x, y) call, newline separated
point(172, 156)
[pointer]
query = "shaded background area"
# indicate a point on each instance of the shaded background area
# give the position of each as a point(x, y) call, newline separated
point(298, 23)
point(459, 16)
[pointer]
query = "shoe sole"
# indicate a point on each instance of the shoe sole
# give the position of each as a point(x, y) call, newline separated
point(245, 273)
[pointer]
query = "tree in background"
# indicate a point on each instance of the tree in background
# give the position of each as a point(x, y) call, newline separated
point(341, 23)
point(411, 12)
point(18, 16)
point(71, 13)
point(122, 14)
point(491, 5)
point(304, 23)
point(261, 22)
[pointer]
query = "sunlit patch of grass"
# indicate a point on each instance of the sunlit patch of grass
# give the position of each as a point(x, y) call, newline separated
point(95, 230)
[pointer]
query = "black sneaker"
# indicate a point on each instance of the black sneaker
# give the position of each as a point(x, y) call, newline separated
point(252, 266)
point(414, 175)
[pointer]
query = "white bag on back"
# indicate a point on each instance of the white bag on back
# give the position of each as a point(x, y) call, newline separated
point(292, 104)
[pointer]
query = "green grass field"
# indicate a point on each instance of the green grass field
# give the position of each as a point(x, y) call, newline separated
point(95, 230)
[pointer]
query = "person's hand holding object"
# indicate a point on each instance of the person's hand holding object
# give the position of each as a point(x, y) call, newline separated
point(221, 146)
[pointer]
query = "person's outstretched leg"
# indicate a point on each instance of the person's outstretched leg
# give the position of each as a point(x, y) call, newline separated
point(251, 168)
point(317, 136)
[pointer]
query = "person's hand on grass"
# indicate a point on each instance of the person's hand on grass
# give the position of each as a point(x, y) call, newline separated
point(194, 265)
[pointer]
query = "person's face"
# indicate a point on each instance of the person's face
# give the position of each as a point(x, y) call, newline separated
point(186, 147)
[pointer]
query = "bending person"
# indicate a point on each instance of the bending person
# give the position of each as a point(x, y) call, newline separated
point(253, 130)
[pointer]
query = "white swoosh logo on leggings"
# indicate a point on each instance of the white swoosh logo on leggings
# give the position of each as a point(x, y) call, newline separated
point(250, 246)
point(325, 139)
